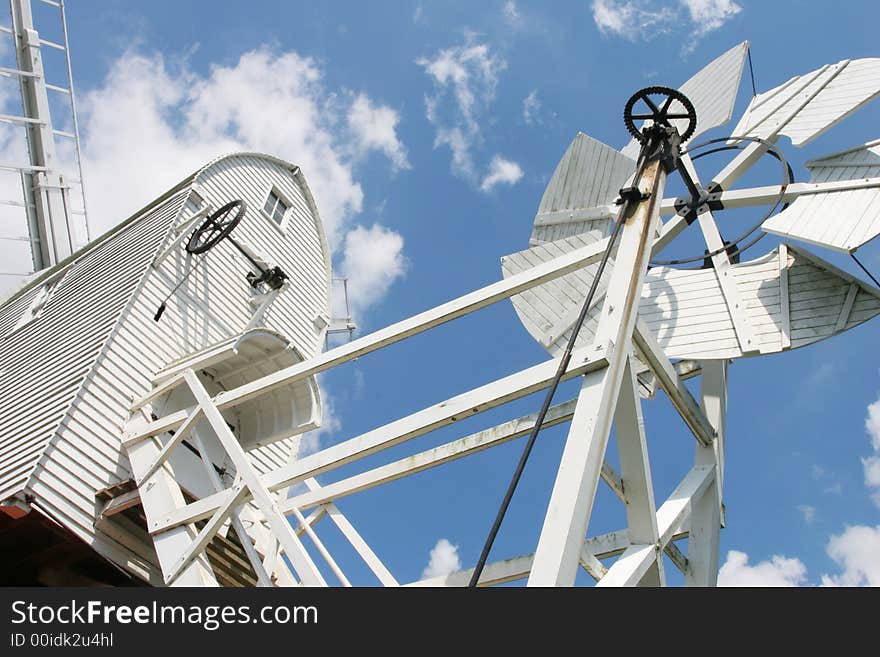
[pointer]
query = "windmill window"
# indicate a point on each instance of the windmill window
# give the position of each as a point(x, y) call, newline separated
point(41, 298)
point(275, 206)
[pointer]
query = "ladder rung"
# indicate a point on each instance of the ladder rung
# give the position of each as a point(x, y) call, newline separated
point(18, 204)
point(19, 239)
point(9, 118)
point(61, 90)
point(61, 133)
point(5, 70)
point(3, 28)
point(51, 44)
point(51, 2)
point(21, 167)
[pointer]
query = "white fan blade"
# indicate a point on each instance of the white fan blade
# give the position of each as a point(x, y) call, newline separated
point(840, 220)
point(549, 311)
point(808, 105)
point(580, 195)
point(712, 91)
point(792, 298)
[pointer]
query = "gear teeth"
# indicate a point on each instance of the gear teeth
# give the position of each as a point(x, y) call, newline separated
point(668, 92)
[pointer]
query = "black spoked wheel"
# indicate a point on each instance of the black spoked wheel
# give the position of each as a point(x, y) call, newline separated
point(660, 105)
point(216, 227)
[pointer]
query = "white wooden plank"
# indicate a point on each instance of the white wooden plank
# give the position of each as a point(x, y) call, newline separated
point(785, 311)
point(846, 309)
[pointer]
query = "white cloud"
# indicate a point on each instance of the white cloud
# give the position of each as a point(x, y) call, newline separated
point(709, 15)
point(464, 80)
point(153, 121)
point(808, 512)
point(531, 108)
point(872, 424)
point(778, 571)
point(375, 128)
point(443, 560)
point(646, 19)
point(871, 464)
point(857, 551)
point(501, 172)
point(632, 19)
point(372, 260)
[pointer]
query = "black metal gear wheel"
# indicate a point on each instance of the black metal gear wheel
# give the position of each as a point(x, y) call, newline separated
point(660, 111)
point(216, 227)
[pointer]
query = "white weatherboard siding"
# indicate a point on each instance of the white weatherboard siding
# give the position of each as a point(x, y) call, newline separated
point(45, 361)
point(76, 376)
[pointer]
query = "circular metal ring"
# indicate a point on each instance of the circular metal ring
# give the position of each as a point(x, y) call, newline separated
point(788, 178)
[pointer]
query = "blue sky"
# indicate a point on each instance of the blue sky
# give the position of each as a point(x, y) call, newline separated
point(428, 133)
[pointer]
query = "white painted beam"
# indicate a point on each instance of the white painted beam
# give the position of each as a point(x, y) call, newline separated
point(703, 542)
point(412, 426)
point(571, 502)
point(652, 354)
point(641, 512)
point(431, 458)
point(281, 528)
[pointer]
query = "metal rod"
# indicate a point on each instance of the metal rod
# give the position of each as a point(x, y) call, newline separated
point(864, 269)
point(246, 254)
point(752, 72)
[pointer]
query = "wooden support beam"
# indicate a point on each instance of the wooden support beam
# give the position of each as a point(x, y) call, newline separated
point(282, 530)
point(447, 453)
point(641, 512)
point(179, 436)
point(652, 354)
point(571, 502)
point(412, 426)
point(207, 533)
point(703, 543)
point(784, 299)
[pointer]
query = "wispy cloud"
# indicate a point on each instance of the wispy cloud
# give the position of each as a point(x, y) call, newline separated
point(374, 128)
point(511, 13)
point(532, 108)
point(643, 20)
point(501, 172)
point(871, 463)
point(464, 79)
point(808, 512)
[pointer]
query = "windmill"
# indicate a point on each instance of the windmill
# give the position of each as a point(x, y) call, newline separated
point(195, 476)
